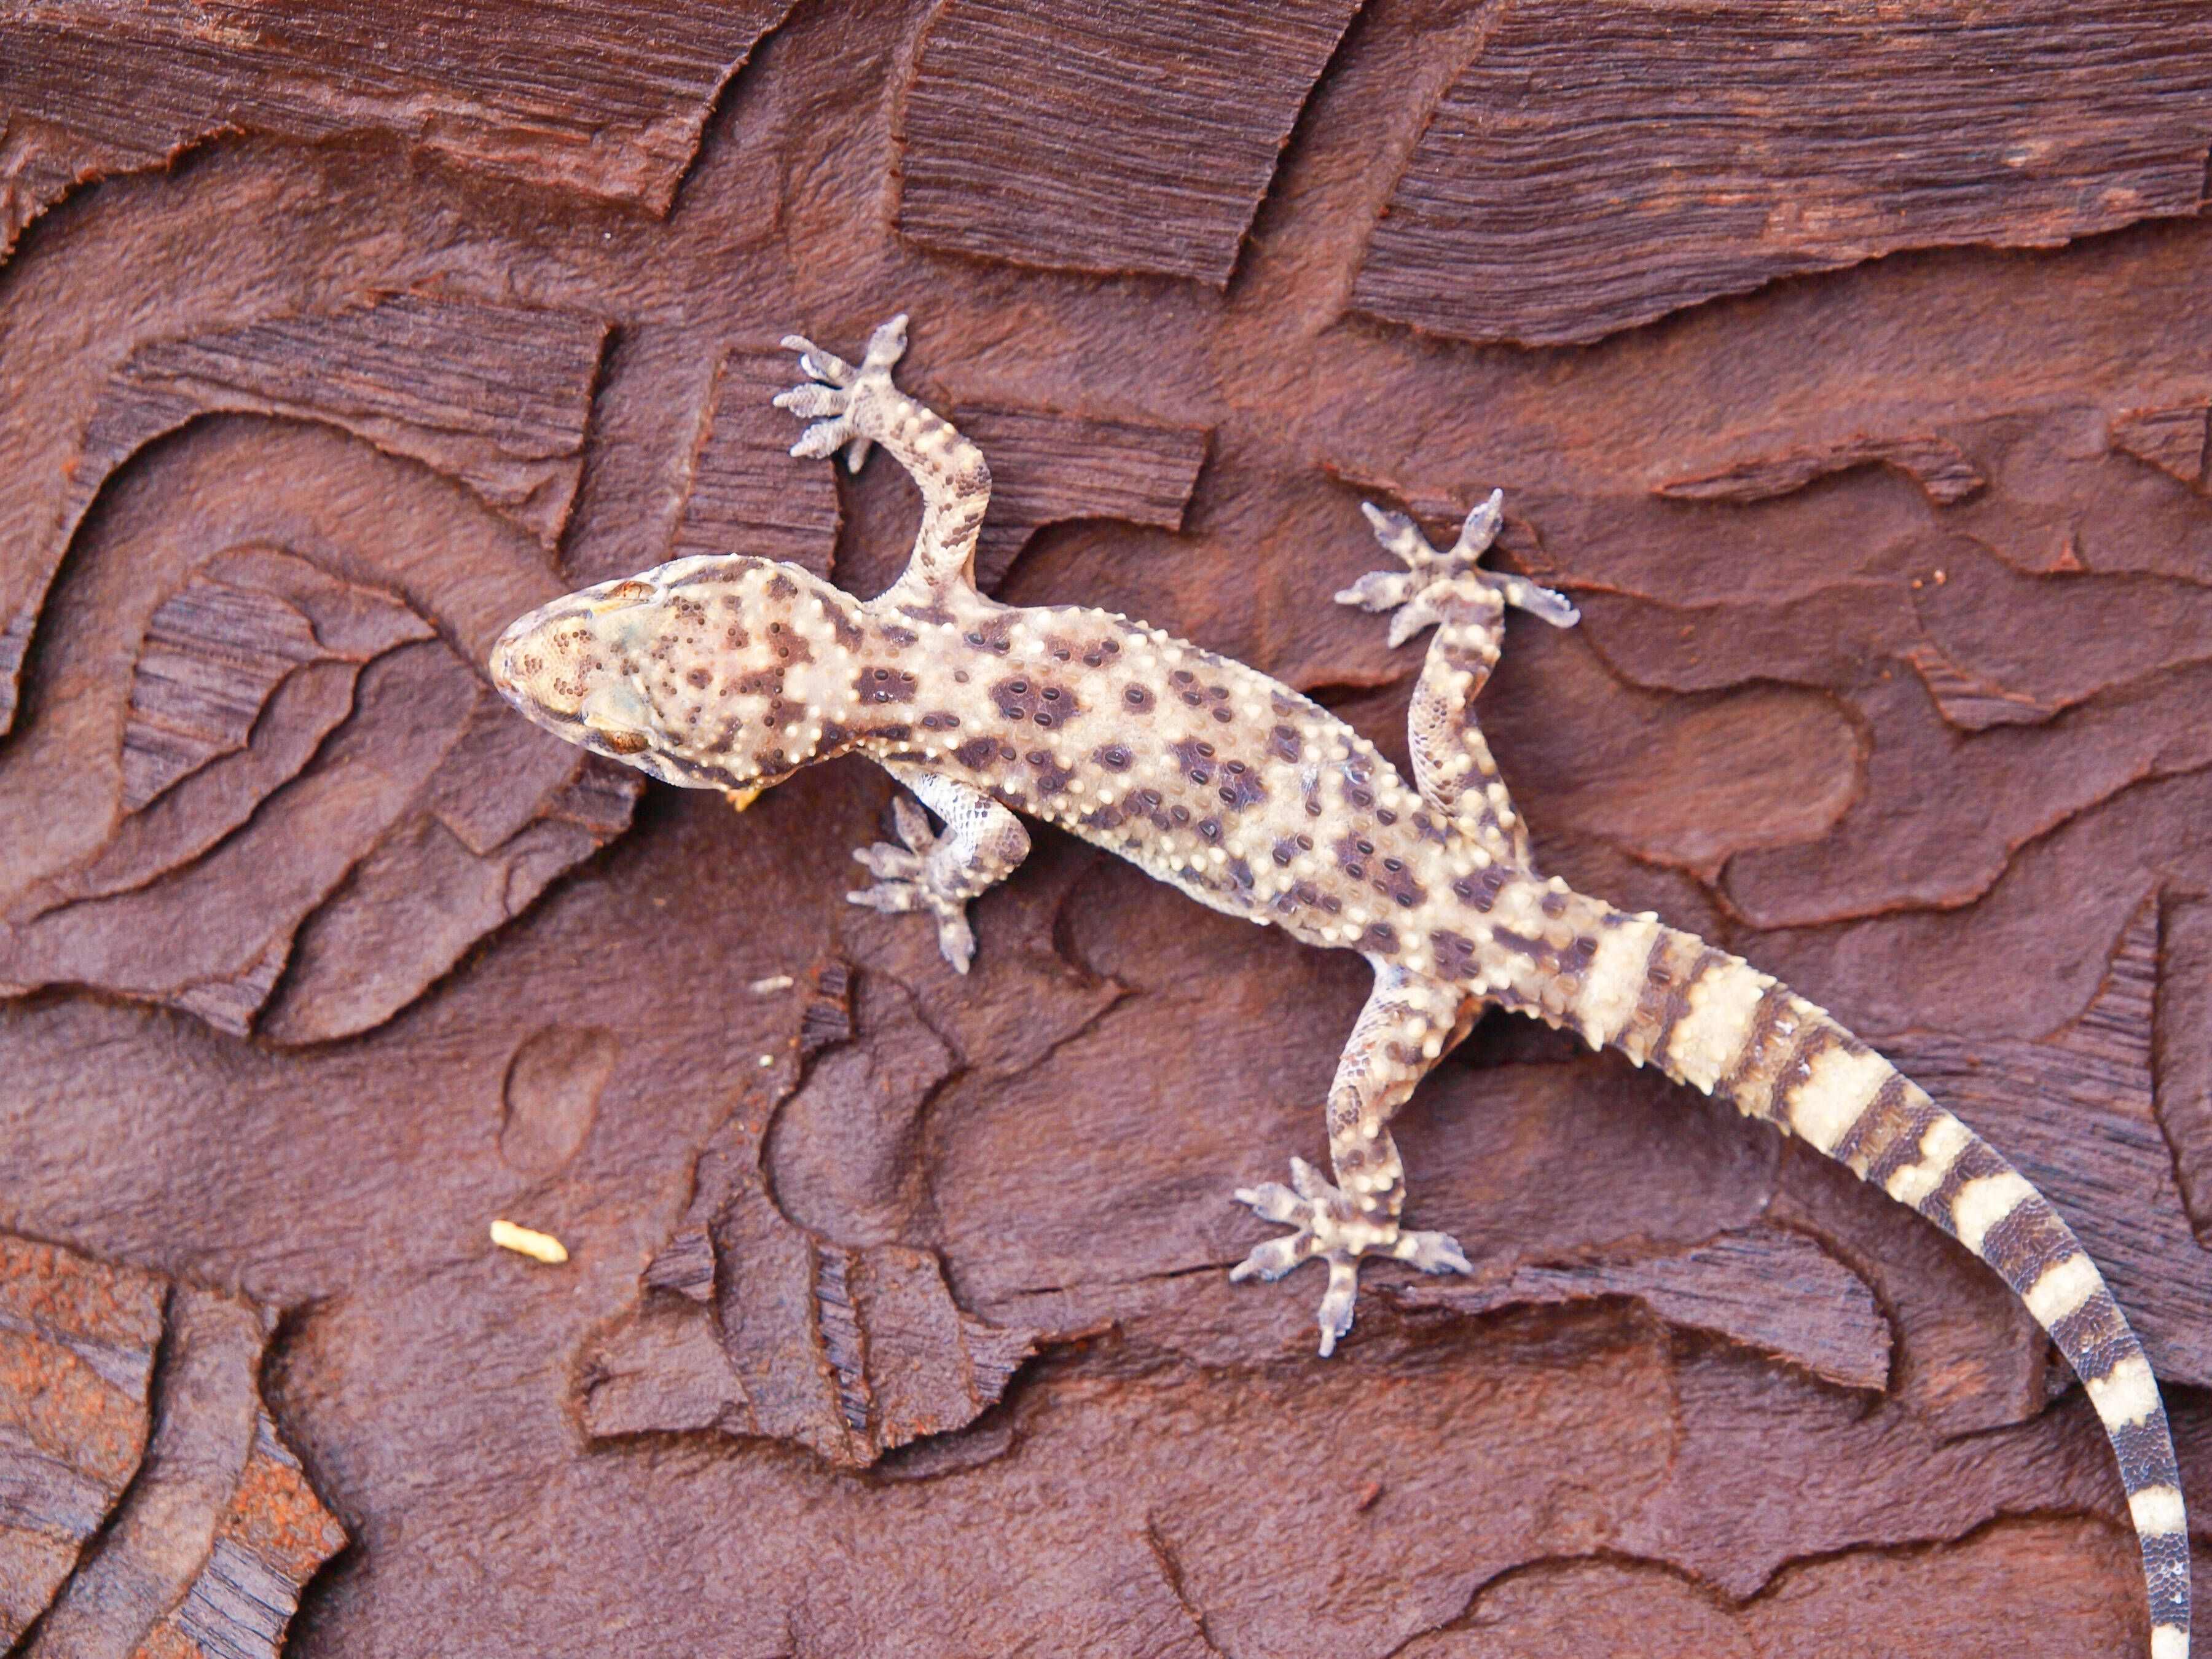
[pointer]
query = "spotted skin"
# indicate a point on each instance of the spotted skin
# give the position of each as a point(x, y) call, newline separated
point(733, 673)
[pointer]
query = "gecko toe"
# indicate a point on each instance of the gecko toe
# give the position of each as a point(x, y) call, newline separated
point(812, 399)
point(1272, 1201)
point(1274, 1258)
point(891, 897)
point(823, 439)
point(955, 939)
point(1433, 1252)
point(817, 364)
point(1336, 1303)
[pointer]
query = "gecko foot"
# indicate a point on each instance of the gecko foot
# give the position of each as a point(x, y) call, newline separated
point(904, 881)
point(1411, 594)
point(1328, 1226)
point(834, 388)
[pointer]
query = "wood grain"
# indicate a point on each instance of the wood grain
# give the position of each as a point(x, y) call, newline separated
point(561, 94)
point(1600, 165)
point(895, 1310)
point(1043, 175)
point(151, 1506)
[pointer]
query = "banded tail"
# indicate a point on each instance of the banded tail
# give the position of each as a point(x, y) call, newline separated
point(1709, 1020)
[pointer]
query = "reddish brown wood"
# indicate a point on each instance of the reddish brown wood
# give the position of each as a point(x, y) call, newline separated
point(1941, 469)
point(562, 94)
point(1599, 166)
point(1892, 677)
point(151, 1507)
point(1051, 469)
point(493, 395)
point(1769, 1289)
point(741, 490)
point(1043, 174)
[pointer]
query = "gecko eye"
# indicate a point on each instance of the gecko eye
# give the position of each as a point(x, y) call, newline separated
point(623, 595)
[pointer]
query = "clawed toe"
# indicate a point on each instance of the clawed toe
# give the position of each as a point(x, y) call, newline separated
point(1335, 1315)
point(955, 940)
point(1433, 1252)
point(1272, 1201)
point(817, 364)
point(1271, 1260)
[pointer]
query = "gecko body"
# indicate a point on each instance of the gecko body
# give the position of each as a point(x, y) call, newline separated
point(733, 673)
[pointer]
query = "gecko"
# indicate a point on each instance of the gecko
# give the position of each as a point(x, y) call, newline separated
point(733, 673)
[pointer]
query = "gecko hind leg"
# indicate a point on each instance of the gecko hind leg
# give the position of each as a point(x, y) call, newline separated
point(1410, 1022)
point(1466, 604)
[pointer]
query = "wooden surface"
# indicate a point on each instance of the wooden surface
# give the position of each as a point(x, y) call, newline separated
point(1848, 368)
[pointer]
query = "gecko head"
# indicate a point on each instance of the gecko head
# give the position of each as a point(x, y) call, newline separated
point(716, 672)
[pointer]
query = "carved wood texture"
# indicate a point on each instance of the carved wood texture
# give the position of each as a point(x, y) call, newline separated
point(1841, 362)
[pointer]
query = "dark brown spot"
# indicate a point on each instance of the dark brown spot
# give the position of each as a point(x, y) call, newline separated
point(1454, 955)
point(1531, 948)
point(977, 753)
point(1113, 757)
point(1348, 858)
point(701, 677)
point(1138, 699)
point(1399, 888)
point(1033, 700)
point(1195, 759)
point(880, 685)
point(1241, 789)
point(1481, 891)
point(1283, 744)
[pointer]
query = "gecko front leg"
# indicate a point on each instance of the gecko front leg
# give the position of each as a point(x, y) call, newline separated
point(981, 844)
point(1410, 1022)
point(1466, 604)
point(852, 408)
